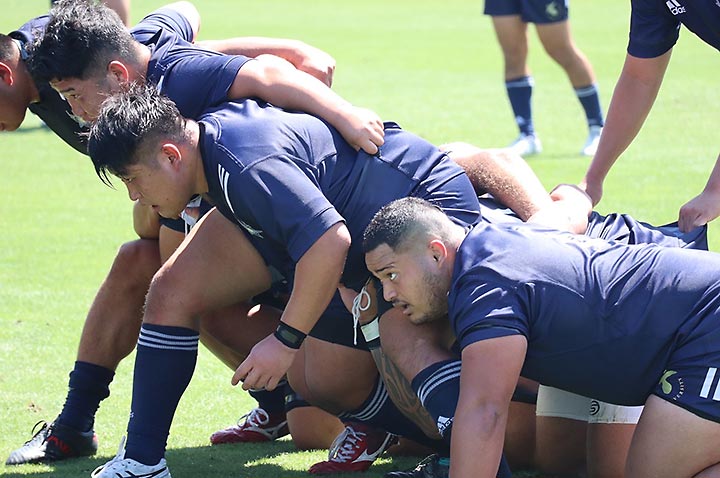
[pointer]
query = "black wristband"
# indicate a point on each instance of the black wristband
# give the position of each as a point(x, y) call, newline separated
point(289, 335)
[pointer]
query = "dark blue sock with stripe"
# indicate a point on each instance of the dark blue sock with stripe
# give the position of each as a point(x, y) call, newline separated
point(590, 100)
point(380, 412)
point(164, 365)
point(519, 91)
point(89, 384)
point(438, 387)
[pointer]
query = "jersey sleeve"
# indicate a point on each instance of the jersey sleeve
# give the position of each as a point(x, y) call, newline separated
point(198, 81)
point(283, 202)
point(653, 29)
point(481, 309)
point(163, 19)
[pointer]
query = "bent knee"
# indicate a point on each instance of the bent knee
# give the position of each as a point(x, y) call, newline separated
point(138, 259)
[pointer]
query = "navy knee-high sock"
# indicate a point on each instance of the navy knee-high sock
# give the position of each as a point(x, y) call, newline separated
point(438, 387)
point(89, 384)
point(379, 411)
point(164, 365)
point(590, 100)
point(519, 91)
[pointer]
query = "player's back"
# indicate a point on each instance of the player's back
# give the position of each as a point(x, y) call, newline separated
point(601, 318)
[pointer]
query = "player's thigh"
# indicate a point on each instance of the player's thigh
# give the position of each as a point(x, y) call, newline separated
point(231, 332)
point(215, 266)
point(337, 377)
point(610, 432)
point(558, 43)
point(672, 442)
point(511, 33)
point(561, 429)
point(519, 447)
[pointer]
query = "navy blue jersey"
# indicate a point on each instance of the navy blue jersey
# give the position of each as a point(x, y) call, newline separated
point(655, 24)
point(289, 177)
point(52, 107)
point(602, 319)
point(194, 78)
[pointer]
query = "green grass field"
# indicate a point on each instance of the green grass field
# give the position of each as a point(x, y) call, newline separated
point(434, 67)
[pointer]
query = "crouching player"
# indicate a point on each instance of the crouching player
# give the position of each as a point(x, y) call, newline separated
point(627, 324)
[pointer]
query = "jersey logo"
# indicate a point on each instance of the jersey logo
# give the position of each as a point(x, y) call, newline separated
point(675, 7)
point(551, 10)
point(708, 384)
point(224, 177)
point(672, 384)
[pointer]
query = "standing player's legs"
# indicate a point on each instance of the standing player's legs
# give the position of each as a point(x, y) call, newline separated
point(511, 33)
point(108, 336)
point(215, 267)
point(559, 45)
point(672, 442)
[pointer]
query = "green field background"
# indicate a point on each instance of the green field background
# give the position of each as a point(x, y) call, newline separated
point(434, 67)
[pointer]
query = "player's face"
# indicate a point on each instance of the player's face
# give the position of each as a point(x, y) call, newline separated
point(13, 105)
point(85, 96)
point(157, 183)
point(411, 281)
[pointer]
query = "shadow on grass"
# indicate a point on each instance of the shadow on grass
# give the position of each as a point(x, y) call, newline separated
point(279, 459)
point(256, 460)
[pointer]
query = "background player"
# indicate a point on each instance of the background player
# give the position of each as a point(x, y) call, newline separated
point(510, 20)
point(654, 30)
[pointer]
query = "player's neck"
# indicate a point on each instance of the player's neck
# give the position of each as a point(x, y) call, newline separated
point(26, 83)
point(142, 53)
point(193, 146)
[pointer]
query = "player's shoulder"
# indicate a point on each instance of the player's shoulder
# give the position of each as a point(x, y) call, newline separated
point(165, 19)
point(31, 30)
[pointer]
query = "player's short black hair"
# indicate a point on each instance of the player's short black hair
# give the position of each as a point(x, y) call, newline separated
point(80, 39)
point(127, 122)
point(403, 222)
point(7, 47)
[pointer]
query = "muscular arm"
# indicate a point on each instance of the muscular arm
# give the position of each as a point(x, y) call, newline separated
point(481, 416)
point(317, 276)
point(302, 56)
point(504, 175)
point(704, 207)
point(122, 8)
point(279, 83)
point(631, 103)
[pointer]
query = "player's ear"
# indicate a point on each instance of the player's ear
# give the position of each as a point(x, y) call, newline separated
point(172, 154)
point(118, 72)
point(439, 251)
point(6, 74)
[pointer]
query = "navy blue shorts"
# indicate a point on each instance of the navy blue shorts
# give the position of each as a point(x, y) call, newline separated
point(691, 379)
point(336, 326)
point(531, 11)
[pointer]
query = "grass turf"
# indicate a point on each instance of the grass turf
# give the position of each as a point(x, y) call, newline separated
point(433, 67)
